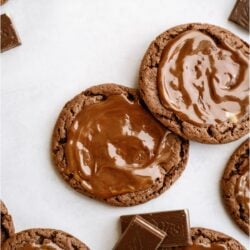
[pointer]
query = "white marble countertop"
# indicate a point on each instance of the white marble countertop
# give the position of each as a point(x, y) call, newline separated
point(66, 47)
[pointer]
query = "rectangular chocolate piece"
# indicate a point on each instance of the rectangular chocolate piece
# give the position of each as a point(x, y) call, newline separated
point(140, 234)
point(9, 38)
point(174, 223)
point(240, 14)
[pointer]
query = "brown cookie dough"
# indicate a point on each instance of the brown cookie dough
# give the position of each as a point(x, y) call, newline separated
point(198, 98)
point(7, 226)
point(107, 146)
point(207, 239)
point(235, 186)
point(34, 239)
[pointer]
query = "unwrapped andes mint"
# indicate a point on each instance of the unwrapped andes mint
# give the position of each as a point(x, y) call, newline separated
point(240, 14)
point(9, 38)
point(140, 234)
point(174, 223)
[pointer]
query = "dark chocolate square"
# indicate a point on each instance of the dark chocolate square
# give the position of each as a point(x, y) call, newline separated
point(9, 38)
point(174, 223)
point(140, 234)
point(240, 14)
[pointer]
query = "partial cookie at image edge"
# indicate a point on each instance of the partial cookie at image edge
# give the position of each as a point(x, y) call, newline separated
point(7, 225)
point(43, 237)
point(232, 173)
point(208, 236)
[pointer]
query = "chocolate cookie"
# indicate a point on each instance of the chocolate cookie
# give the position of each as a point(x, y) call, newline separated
point(207, 239)
point(107, 146)
point(194, 78)
point(7, 226)
point(50, 239)
point(235, 186)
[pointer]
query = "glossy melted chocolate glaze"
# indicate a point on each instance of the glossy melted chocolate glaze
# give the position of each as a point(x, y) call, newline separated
point(203, 81)
point(116, 147)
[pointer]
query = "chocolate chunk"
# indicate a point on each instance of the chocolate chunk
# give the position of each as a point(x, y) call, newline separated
point(240, 14)
point(174, 223)
point(9, 38)
point(2, 2)
point(140, 234)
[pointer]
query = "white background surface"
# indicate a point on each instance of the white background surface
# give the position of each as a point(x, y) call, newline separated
point(68, 46)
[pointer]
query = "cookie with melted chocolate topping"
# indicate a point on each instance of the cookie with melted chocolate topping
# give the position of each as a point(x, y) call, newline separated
point(7, 226)
point(207, 239)
point(107, 146)
point(194, 78)
point(235, 185)
point(49, 239)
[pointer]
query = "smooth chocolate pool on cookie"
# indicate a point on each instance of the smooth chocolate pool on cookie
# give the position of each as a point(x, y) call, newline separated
point(235, 186)
point(195, 79)
point(114, 149)
point(204, 82)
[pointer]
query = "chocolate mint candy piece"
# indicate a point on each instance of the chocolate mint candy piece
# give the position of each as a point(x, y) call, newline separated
point(240, 14)
point(140, 234)
point(9, 38)
point(174, 223)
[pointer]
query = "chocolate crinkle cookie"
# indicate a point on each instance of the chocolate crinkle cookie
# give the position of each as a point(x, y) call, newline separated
point(7, 226)
point(194, 78)
point(107, 146)
point(43, 239)
point(235, 186)
point(207, 239)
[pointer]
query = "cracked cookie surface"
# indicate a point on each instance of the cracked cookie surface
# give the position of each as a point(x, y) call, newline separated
point(167, 173)
point(43, 239)
point(235, 186)
point(7, 226)
point(221, 132)
point(204, 238)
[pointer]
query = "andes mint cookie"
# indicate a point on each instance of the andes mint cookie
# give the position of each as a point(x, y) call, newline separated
point(235, 186)
point(49, 239)
point(108, 146)
point(194, 78)
point(207, 239)
point(7, 226)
